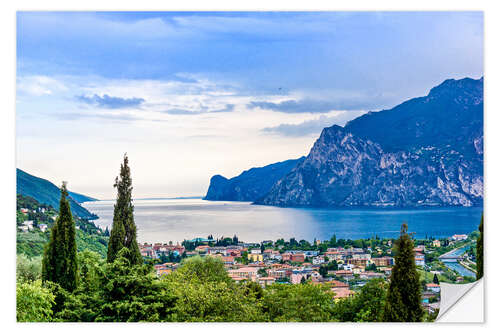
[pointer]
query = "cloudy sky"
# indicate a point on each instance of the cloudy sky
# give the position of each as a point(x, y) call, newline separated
point(189, 95)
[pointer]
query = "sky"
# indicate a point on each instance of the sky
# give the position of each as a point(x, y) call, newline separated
point(188, 95)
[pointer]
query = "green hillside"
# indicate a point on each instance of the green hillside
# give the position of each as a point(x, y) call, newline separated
point(47, 193)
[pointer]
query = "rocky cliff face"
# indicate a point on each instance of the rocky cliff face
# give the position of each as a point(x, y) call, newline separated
point(425, 152)
point(343, 170)
point(251, 184)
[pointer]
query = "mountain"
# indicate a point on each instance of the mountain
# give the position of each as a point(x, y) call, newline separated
point(427, 151)
point(451, 114)
point(47, 193)
point(251, 184)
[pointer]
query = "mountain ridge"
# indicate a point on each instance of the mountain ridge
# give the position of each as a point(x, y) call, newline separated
point(426, 151)
point(251, 184)
point(47, 193)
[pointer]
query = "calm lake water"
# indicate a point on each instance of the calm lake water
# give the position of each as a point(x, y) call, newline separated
point(162, 220)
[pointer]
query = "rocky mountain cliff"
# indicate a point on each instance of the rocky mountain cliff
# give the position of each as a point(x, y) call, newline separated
point(427, 151)
point(251, 184)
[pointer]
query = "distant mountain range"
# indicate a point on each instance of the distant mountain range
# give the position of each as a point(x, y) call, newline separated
point(47, 193)
point(427, 151)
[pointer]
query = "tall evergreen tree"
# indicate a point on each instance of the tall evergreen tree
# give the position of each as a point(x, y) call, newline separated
point(59, 262)
point(479, 251)
point(435, 279)
point(124, 231)
point(403, 297)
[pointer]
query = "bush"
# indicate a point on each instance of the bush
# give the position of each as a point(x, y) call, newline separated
point(33, 302)
point(28, 270)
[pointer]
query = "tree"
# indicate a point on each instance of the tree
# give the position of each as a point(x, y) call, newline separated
point(59, 262)
point(205, 292)
point(298, 302)
point(33, 302)
point(479, 252)
point(124, 231)
point(403, 297)
point(435, 279)
point(365, 306)
point(28, 269)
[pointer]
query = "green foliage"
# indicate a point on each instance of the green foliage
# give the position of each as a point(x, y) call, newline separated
point(435, 279)
point(298, 302)
point(206, 269)
point(124, 231)
point(33, 302)
point(206, 293)
point(59, 263)
point(365, 306)
point(117, 292)
point(28, 269)
point(31, 243)
point(479, 252)
point(403, 297)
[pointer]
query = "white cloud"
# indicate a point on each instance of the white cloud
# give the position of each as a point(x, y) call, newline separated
point(38, 85)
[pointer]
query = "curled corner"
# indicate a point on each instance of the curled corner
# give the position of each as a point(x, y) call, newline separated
point(462, 302)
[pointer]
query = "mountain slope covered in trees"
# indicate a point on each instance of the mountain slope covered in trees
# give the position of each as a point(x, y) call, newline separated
point(47, 193)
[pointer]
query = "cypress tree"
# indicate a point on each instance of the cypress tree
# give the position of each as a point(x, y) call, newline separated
point(59, 260)
point(124, 231)
point(403, 297)
point(479, 251)
point(435, 279)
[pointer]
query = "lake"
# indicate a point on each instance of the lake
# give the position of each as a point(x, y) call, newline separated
point(163, 220)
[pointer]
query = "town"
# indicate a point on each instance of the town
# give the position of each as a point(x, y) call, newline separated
point(344, 267)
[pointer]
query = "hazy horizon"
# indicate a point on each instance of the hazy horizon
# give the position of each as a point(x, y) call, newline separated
point(188, 95)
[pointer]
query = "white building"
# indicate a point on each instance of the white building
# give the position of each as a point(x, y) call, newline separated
point(318, 260)
point(43, 227)
point(28, 224)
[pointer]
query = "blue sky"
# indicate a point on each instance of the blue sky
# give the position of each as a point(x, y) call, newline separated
point(189, 95)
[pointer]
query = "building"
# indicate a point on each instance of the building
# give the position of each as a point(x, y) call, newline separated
point(435, 288)
point(419, 261)
point(436, 243)
point(343, 273)
point(28, 224)
point(297, 257)
point(318, 260)
point(358, 262)
point(383, 261)
point(228, 260)
point(419, 255)
point(266, 281)
point(23, 228)
point(249, 273)
point(334, 255)
point(296, 278)
point(459, 237)
point(163, 269)
point(255, 257)
point(42, 227)
point(341, 289)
